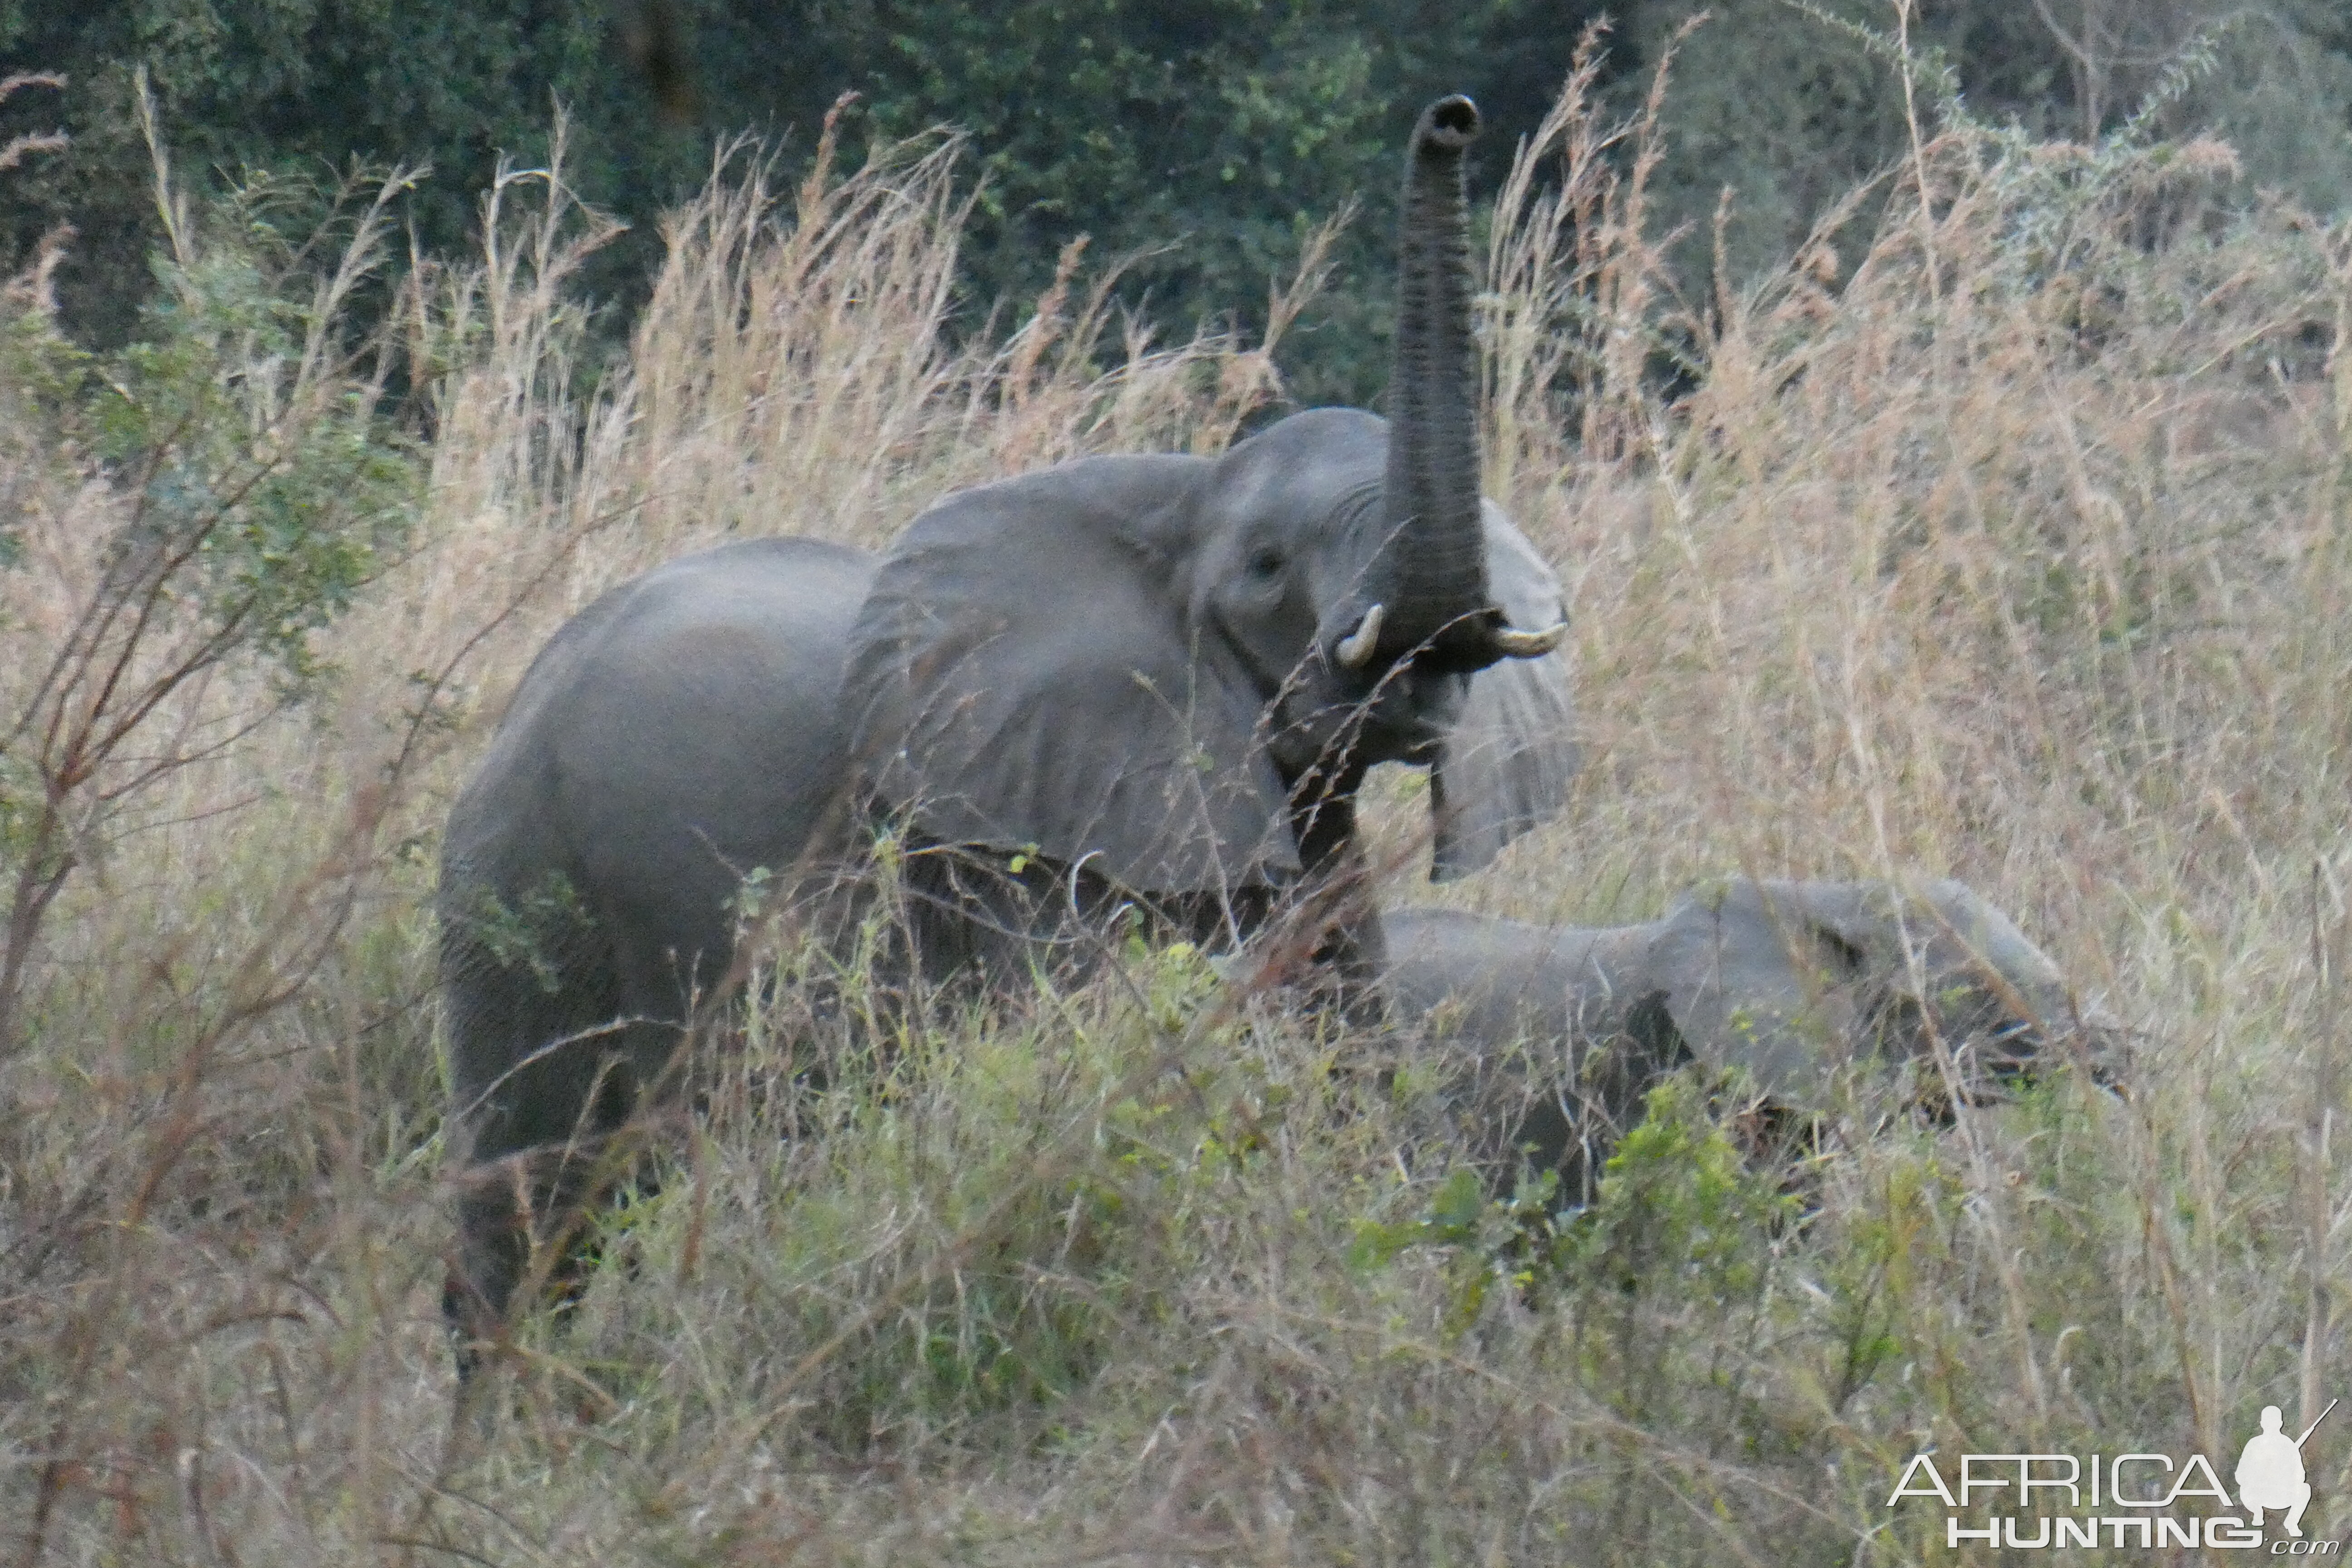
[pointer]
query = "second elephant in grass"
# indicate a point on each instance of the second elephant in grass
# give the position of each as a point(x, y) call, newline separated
point(1553, 1033)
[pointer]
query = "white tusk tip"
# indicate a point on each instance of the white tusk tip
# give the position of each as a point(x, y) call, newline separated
point(1513, 644)
point(1355, 650)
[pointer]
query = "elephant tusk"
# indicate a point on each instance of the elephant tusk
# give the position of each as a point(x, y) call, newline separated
point(1355, 650)
point(1513, 644)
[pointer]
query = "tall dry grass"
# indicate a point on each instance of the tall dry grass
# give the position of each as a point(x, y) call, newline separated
point(2004, 539)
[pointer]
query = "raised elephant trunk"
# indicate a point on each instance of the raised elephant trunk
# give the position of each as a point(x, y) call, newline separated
point(1429, 584)
point(1436, 555)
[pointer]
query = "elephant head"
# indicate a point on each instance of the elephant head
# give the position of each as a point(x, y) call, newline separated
point(1548, 1039)
point(1175, 670)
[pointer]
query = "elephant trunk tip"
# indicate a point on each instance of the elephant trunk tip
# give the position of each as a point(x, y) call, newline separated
point(1452, 123)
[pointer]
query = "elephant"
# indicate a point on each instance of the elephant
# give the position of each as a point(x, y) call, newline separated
point(1132, 682)
point(1550, 1037)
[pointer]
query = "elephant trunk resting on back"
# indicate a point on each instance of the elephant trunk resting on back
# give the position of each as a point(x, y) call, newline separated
point(1147, 678)
point(1553, 1033)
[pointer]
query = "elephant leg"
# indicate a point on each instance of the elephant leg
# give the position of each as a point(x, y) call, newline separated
point(520, 1220)
point(1586, 1077)
point(1350, 958)
point(1348, 965)
point(541, 1075)
point(970, 922)
point(493, 1251)
point(523, 1207)
point(639, 1074)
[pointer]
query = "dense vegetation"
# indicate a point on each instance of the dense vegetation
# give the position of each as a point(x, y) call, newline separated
point(2005, 534)
point(1204, 137)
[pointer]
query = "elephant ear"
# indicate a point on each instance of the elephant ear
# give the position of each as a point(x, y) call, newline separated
point(1507, 762)
point(1754, 975)
point(1022, 677)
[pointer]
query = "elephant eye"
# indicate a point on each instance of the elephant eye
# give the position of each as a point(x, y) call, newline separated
point(1266, 561)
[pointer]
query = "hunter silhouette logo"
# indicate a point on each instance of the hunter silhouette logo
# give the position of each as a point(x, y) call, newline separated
point(2148, 1501)
point(2270, 1472)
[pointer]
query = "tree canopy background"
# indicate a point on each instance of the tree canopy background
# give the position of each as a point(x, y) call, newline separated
point(1204, 137)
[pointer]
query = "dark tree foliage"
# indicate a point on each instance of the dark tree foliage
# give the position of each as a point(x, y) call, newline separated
point(1209, 137)
point(1205, 137)
point(306, 86)
point(1790, 103)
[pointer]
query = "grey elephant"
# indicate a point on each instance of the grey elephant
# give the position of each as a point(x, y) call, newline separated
point(1551, 1034)
point(1147, 682)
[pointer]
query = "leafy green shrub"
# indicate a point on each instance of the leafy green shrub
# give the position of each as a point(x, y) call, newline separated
point(209, 499)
